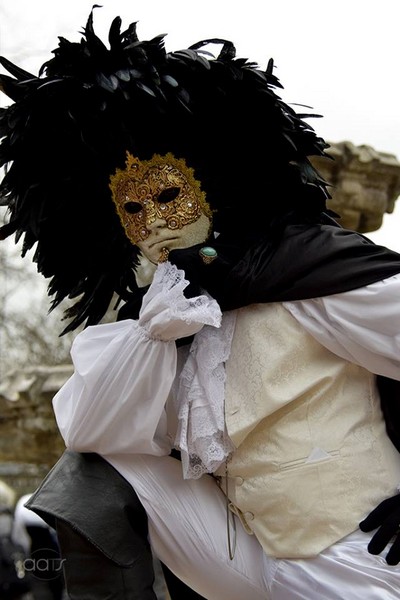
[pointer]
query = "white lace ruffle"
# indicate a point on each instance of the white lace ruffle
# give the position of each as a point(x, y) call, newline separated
point(201, 436)
point(166, 314)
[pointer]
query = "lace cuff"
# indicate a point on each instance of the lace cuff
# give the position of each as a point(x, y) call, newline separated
point(166, 314)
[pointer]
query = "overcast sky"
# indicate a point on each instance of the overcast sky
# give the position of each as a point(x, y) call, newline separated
point(340, 57)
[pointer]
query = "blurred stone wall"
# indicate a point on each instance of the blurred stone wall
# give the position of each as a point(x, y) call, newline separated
point(365, 184)
point(29, 440)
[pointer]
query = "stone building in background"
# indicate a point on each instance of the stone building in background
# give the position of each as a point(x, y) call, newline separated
point(365, 186)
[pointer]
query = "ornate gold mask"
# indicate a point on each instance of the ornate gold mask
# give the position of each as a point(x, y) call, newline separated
point(163, 187)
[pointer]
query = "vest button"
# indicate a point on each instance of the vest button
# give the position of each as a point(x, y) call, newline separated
point(249, 516)
point(239, 480)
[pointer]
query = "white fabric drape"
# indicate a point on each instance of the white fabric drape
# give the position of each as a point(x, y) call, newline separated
point(361, 326)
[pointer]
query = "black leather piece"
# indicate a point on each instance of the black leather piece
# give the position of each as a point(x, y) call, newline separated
point(89, 575)
point(85, 494)
point(85, 491)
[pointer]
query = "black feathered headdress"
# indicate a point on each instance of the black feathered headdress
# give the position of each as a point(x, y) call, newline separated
point(70, 128)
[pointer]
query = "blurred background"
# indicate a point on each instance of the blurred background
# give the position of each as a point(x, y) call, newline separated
point(339, 58)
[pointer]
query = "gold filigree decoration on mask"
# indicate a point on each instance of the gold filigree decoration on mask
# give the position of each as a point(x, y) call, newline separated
point(163, 187)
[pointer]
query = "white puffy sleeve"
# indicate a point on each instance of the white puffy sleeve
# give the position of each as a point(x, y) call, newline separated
point(361, 325)
point(123, 372)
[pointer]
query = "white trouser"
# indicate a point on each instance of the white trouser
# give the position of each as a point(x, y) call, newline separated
point(188, 532)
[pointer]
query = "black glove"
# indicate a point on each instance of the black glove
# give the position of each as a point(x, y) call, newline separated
point(385, 517)
point(201, 274)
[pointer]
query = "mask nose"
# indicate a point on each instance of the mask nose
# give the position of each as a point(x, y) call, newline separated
point(153, 219)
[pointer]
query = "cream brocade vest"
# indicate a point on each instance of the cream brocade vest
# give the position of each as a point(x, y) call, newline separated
point(312, 457)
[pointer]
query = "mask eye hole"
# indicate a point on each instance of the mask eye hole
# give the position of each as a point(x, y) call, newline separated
point(133, 207)
point(168, 195)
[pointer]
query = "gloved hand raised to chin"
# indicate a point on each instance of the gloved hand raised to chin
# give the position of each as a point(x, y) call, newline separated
point(386, 519)
point(206, 266)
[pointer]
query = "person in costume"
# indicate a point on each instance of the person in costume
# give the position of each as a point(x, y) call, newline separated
point(255, 337)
